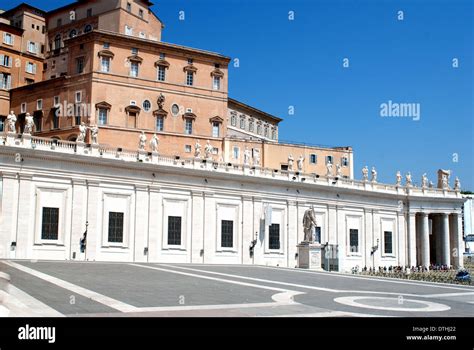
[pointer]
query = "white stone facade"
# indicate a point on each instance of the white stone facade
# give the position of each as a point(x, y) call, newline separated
point(84, 184)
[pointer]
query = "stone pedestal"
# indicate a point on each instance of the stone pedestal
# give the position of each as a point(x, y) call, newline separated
point(95, 149)
point(80, 147)
point(10, 139)
point(154, 157)
point(26, 139)
point(142, 155)
point(309, 256)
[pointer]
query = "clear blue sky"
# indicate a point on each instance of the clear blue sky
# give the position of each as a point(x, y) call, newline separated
point(300, 63)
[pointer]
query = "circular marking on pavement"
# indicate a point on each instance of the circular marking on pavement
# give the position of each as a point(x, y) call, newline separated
point(392, 304)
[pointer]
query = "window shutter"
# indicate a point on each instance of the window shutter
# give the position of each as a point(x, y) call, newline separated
point(37, 51)
point(13, 39)
point(34, 68)
point(2, 60)
point(9, 81)
point(10, 61)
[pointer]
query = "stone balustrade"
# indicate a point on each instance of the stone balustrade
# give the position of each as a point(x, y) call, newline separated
point(106, 152)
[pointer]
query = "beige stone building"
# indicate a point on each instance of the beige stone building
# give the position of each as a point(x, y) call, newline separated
point(105, 64)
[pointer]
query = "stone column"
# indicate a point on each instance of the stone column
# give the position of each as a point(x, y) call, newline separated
point(411, 244)
point(94, 232)
point(455, 240)
point(139, 240)
point(8, 227)
point(425, 240)
point(197, 227)
point(247, 228)
point(78, 217)
point(292, 233)
point(444, 240)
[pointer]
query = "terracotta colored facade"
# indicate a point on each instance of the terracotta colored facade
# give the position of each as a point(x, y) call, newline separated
point(105, 64)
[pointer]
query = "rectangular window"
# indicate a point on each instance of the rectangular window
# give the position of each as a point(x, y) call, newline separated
point(30, 68)
point(189, 127)
point(115, 227)
point(128, 30)
point(2, 125)
point(162, 56)
point(8, 39)
point(216, 83)
point(190, 61)
point(6, 81)
point(236, 152)
point(102, 116)
point(329, 160)
point(189, 78)
point(388, 246)
point(32, 47)
point(38, 126)
point(78, 120)
point(106, 46)
point(134, 69)
point(317, 233)
point(161, 73)
point(55, 121)
point(274, 236)
point(129, 7)
point(23, 107)
point(354, 240)
point(50, 224)
point(174, 230)
point(313, 159)
point(105, 64)
point(227, 234)
point(188, 148)
point(56, 101)
point(159, 123)
point(134, 51)
point(5, 61)
point(140, 13)
point(345, 161)
point(215, 150)
point(78, 97)
point(89, 13)
point(29, 81)
point(215, 129)
point(39, 105)
point(80, 65)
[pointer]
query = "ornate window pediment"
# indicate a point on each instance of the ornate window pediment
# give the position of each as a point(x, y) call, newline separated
point(103, 105)
point(160, 113)
point(190, 68)
point(162, 63)
point(135, 58)
point(216, 119)
point(132, 109)
point(189, 115)
point(217, 73)
point(106, 53)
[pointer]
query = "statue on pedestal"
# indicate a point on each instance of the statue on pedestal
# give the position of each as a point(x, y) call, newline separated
point(399, 178)
point(329, 169)
point(339, 171)
point(11, 122)
point(29, 124)
point(247, 156)
point(365, 173)
point(309, 223)
point(290, 162)
point(95, 134)
point(374, 175)
point(443, 179)
point(197, 150)
point(300, 163)
point(408, 179)
point(142, 142)
point(457, 184)
point(256, 157)
point(154, 143)
point(208, 150)
point(424, 181)
point(161, 101)
point(82, 132)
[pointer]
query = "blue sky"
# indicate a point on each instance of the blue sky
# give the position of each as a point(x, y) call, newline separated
point(299, 63)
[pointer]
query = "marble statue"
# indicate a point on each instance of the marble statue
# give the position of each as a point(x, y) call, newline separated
point(82, 132)
point(374, 175)
point(445, 183)
point(300, 163)
point(197, 150)
point(309, 223)
point(408, 179)
point(399, 178)
point(161, 101)
point(424, 181)
point(443, 179)
point(142, 142)
point(290, 162)
point(29, 124)
point(339, 170)
point(329, 169)
point(247, 156)
point(208, 149)
point(365, 173)
point(457, 184)
point(431, 185)
point(11, 122)
point(154, 143)
point(95, 134)
point(256, 157)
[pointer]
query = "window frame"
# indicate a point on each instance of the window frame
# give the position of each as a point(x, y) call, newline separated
point(121, 219)
point(56, 225)
point(228, 242)
point(169, 239)
point(189, 78)
point(102, 60)
point(188, 126)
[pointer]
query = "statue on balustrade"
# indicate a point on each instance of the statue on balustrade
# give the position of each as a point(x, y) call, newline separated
point(197, 150)
point(457, 184)
point(154, 143)
point(247, 155)
point(208, 150)
point(329, 169)
point(29, 124)
point(339, 170)
point(399, 178)
point(374, 175)
point(290, 162)
point(408, 179)
point(309, 223)
point(424, 181)
point(95, 134)
point(300, 163)
point(365, 173)
point(142, 142)
point(82, 132)
point(11, 122)
point(256, 157)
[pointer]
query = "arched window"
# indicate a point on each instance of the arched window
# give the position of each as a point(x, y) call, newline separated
point(233, 120)
point(57, 42)
point(251, 126)
point(242, 123)
point(259, 129)
point(266, 131)
point(73, 33)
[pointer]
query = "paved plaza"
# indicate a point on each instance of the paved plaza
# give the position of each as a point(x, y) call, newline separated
point(43, 288)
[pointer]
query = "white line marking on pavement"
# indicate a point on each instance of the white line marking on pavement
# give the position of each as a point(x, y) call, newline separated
point(331, 314)
point(22, 304)
point(373, 278)
point(428, 306)
point(298, 285)
point(110, 302)
point(448, 295)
